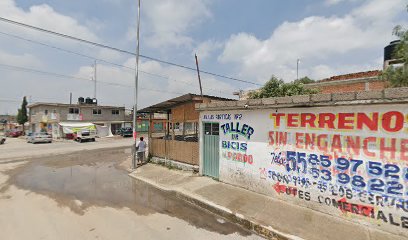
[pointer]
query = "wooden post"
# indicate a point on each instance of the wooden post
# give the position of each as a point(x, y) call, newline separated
point(168, 124)
point(199, 78)
point(184, 122)
point(151, 126)
point(173, 135)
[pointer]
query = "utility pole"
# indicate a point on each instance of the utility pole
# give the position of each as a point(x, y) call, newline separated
point(199, 78)
point(94, 80)
point(297, 69)
point(134, 162)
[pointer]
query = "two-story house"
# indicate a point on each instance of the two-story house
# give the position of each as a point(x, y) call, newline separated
point(48, 116)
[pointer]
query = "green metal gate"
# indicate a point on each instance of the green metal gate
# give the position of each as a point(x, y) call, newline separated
point(211, 150)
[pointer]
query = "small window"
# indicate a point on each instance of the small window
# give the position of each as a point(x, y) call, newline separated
point(46, 111)
point(215, 129)
point(97, 111)
point(74, 110)
point(115, 112)
point(212, 129)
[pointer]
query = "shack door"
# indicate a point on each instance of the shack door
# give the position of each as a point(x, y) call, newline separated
point(211, 150)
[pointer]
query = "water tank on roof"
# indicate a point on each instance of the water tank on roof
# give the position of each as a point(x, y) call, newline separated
point(389, 50)
point(94, 101)
point(81, 100)
point(88, 100)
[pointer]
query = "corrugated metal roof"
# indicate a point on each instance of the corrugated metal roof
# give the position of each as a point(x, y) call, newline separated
point(171, 103)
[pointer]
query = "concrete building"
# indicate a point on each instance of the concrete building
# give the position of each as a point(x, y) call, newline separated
point(176, 136)
point(352, 82)
point(324, 152)
point(47, 116)
point(8, 122)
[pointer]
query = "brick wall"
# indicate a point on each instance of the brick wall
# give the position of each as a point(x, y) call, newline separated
point(323, 99)
point(353, 87)
point(353, 82)
point(378, 85)
point(338, 86)
point(352, 76)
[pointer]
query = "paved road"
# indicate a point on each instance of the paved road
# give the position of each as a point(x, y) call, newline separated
point(17, 148)
point(88, 195)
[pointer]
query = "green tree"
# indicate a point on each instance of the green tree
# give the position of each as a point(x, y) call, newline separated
point(305, 80)
point(398, 76)
point(401, 51)
point(278, 88)
point(22, 116)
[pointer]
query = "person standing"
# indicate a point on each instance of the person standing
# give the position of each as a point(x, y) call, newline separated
point(141, 149)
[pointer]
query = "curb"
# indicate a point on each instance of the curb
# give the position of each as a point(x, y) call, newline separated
point(175, 164)
point(259, 229)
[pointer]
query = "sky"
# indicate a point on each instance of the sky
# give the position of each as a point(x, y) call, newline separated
point(247, 40)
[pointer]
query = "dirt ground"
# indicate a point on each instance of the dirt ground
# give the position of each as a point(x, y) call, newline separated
point(88, 195)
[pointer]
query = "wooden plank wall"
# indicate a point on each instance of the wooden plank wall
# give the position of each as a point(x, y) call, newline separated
point(157, 148)
point(185, 152)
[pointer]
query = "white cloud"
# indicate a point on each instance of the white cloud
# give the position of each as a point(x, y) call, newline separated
point(379, 11)
point(168, 21)
point(335, 2)
point(153, 89)
point(17, 83)
point(317, 40)
point(46, 17)
point(21, 60)
point(109, 55)
point(206, 48)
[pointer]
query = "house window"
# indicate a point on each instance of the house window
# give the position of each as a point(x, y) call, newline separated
point(46, 111)
point(212, 129)
point(115, 112)
point(97, 111)
point(74, 110)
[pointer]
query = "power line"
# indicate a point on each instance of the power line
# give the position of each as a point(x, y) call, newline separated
point(23, 69)
point(76, 53)
point(104, 61)
point(120, 50)
point(11, 101)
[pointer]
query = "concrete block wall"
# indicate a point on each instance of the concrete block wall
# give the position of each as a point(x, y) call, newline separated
point(389, 95)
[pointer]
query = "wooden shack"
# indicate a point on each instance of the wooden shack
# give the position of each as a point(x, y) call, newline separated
point(178, 139)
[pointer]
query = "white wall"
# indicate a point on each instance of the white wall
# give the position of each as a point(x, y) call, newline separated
point(375, 195)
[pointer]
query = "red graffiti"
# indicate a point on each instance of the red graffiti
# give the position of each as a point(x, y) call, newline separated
point(358, 209)
point(285, 189)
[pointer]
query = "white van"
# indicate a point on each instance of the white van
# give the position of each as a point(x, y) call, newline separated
point(85, 135)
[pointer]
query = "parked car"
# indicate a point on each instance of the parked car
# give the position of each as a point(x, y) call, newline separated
point(41, 137)
point(14, 133)
point(125, 132)
point(85, 136)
